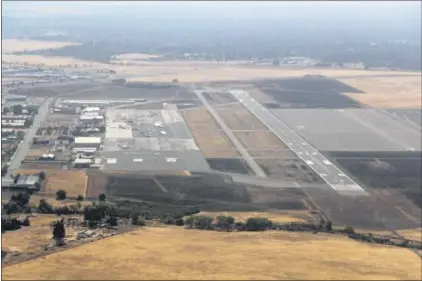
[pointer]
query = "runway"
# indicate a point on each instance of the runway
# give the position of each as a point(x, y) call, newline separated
point(332, 175)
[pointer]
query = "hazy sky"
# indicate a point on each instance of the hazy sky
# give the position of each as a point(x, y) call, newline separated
point(375, 10)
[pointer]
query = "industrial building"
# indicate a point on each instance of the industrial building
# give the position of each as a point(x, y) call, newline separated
point(82, 163)
point(88, 119)
point(91, 109)
point(85, 142)
point(27, 181)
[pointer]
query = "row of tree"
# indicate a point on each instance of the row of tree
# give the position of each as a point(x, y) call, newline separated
point(227, 223)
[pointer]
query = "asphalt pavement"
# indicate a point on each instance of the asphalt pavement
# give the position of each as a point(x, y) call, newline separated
point(26, 142)
point(331, 174)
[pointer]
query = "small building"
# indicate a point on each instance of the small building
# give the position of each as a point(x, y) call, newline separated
point(91, 109)
point(84, 150)
point(87, 142)
point(90, 119)
point(82, 163)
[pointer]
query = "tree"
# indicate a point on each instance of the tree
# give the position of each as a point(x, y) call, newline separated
point(61, 194)
point(21, 198)
point(17, 109)
point(12, 207)
point(175, 81)
point(225, 222)
point(257, 224)
point(79, 198)
point(134, 218)
point(102, 197)
point(16, 178)
point(179, 222)
point(42, 175)
point(59, 232)
point(112, 220)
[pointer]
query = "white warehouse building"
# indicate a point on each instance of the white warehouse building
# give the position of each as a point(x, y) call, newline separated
point(86, 142)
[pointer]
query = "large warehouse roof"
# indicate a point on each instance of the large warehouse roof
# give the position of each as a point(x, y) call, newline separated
point(79, 140)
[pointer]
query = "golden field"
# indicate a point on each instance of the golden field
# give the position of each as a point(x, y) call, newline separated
point(388, 92)
point(170, 253)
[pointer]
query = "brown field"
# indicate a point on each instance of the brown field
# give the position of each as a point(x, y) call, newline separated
point(19, 45)
point(207, 134)
point(413, 234)
point(214, 142)
point(285, 153)
point(73, 182)
point(171, 253)
point(260, 140)
point(97, 182)
point(199, 118)
point(387, 92)
point(240, 119)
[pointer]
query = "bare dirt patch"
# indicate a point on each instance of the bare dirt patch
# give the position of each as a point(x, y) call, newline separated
point(211, 255)
point(260, 140)
point(19, 45)
point(199, 118)
point(97, 184)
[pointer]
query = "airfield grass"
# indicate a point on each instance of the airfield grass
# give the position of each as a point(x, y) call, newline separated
point(172, 253)
point(73, 182)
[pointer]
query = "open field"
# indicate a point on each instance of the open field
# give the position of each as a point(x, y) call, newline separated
point(230, 165)
point(187, 254)
point(388, 92)
point(260, 140)
point(19, 45)
point(206, 191)
point(219, 98)
point(240, 119)
point(73, 182)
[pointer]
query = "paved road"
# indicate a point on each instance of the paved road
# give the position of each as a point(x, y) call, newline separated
point(254, 166)
point(26, 143)
point(332, 175)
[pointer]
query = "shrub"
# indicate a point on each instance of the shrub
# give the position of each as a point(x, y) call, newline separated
point(112, 220)
point(349, 229)
point(168, 220)
point(200, 222)
point(102, 197)
point(225, 222)
point(79, 198)
point(59, 231)
point(257, 224)
point(12, 208)
point(61, 194)
point(179, 222)
point(42, 175)
point(44, 207)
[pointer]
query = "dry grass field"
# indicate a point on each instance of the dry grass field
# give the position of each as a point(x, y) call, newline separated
point(33, 238)
point(388, 92)
point(169, 253)
point(240, 119)
point(73, 182)
point(260, 140)
point(20, 45)
point(208, 135)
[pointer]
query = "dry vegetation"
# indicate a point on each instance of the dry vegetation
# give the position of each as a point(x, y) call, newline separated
point(73, 182)
point(20, 45)
point(169, 253)
point(388, 92)
point(260, 140)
